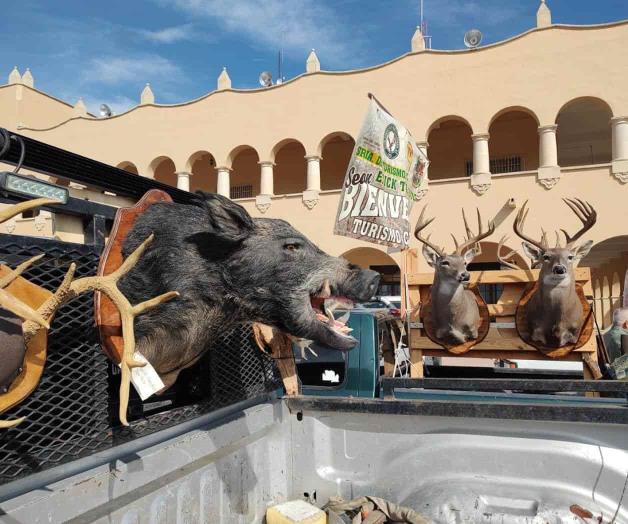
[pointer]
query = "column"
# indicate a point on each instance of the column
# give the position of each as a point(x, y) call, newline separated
point(549, 171)
point(481, 177)
point(313, 188)
point(313, 173)
point(263, 201)
point(266, 178)
point(223, 181)
point(183, 180)
point(620, 148)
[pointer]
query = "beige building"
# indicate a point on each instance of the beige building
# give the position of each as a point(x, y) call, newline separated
point(538, 117)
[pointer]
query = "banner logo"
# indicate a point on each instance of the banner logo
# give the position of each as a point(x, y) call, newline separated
point(391, 141)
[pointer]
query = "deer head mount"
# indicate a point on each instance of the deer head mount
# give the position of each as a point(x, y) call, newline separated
point(454, 309)
point(554, 312)
point(37, 319)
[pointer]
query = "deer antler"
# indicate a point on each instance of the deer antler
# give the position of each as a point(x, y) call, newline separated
point(7, 300)
point(506, 259)
point(587, 215)
point(109, 286)
point(421, 224)
point(518, 229)
point(472, 239)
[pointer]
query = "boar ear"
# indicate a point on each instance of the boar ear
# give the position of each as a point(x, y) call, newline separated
point(229, 221)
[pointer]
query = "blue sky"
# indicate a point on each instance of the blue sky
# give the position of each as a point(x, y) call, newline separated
point(105, 51)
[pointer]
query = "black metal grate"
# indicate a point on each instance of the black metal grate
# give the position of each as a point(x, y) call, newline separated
point(73, 411)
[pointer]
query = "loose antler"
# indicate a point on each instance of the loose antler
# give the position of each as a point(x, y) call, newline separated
point(506, 259)
point(108, 284)
point(587, 215)
point(421, 224)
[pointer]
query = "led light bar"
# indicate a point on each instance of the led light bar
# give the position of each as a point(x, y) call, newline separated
point(32, 187)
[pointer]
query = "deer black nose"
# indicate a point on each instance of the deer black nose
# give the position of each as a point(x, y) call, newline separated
point(465, 276)
point(559, 269)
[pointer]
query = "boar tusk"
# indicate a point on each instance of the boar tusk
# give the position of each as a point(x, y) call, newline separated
point(5, 424)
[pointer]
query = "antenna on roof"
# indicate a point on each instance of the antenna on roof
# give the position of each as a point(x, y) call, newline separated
point(423, 25)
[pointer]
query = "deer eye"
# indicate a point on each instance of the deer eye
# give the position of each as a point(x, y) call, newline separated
point(570, 257)
point(444, 263)
point(546, 258)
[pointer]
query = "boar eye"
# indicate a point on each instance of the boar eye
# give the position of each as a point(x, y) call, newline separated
point(292, 247)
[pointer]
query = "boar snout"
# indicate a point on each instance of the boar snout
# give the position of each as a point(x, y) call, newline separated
point(367, 284)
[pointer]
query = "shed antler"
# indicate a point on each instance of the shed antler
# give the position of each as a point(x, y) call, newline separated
point(506, 259)
point(107, 284)
point(587, 215)
point(472, 239)
point(421, 224)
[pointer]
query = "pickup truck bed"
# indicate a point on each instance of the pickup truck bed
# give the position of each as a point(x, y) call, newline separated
point(228, 466)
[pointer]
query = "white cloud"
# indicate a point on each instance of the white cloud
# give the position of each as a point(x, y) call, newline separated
point(169, 35)
point(116, 70)
point(295, 25)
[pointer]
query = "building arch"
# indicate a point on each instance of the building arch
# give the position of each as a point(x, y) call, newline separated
point(520, 109)
point(245, 172)
point(514, 142)
point(335, 151)
point(450, 150)
point(608, 261)
point(163, 170)
point(584, 134)
point(290, 171)
point(130, 167)
point(383, 263)
point(202, 166)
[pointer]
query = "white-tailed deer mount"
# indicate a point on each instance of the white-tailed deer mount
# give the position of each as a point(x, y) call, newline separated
point(554, 312)
point(452, 315)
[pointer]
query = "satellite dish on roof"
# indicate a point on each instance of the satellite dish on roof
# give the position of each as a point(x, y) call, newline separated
point(105, 111)
point(265, 79)
point(472, 38)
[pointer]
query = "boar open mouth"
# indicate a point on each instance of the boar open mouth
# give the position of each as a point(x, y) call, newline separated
point(322, 326)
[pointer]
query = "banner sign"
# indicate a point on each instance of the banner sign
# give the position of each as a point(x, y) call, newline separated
point(385, 174)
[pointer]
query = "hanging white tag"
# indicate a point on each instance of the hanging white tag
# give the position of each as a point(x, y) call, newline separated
point(145, 380)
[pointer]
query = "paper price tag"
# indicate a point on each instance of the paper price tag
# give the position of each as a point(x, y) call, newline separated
point(145, 380)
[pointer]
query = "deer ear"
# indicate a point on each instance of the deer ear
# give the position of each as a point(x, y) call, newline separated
point(583, 250)
point(470, 254)
point(531, 251)
point(430, 255)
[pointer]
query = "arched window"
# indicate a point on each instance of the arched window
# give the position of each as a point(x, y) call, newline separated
point(584, 133)
point(336, 150)
point(514, 142)
point(290, 167)
point(450, 148)
point(202, 165)
point(245, 174)
point(163, 170)
point(128, 166)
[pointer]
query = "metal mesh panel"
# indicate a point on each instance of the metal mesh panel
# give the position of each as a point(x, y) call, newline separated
point(73, 411)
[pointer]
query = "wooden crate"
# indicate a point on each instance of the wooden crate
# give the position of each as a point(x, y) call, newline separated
point(502, 341)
